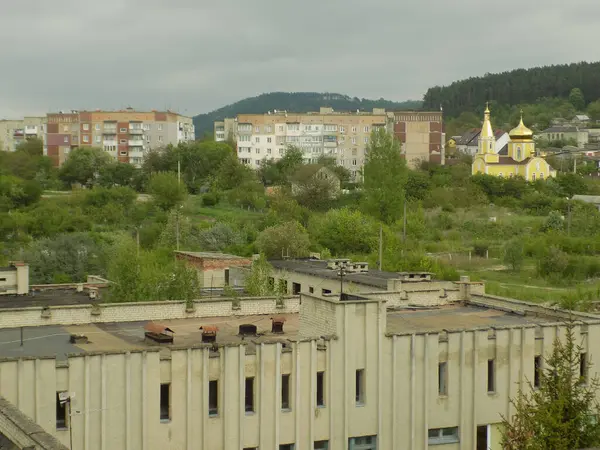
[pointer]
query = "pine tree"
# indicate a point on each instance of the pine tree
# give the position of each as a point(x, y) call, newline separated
point(561, 412)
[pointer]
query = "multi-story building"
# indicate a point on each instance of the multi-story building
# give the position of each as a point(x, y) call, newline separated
point(422, 136)
point(126, 135)
point(225, 129)
point(421, 365)
point(343, 136)
point(13, 132)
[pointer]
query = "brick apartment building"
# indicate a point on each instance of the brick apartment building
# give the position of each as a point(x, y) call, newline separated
point(340, 135)
point(126, 135)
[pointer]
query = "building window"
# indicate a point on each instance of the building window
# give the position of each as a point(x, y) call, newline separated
point(286, 446)
point(268, 140)
point(146, 126)
point(268, 129)
point(122, 130)
point(86, 127)
point(443, 435)
point(123, 141)
point(541, 176)
point(443, 378)
point(537, 371)
point(321, 445)
point(518, 152)
point(285, 392)
point(366, 139)
point(354, 129)
point(61, 413)
point(354, 162)
point(160, 139)
point(362, 443)
point(353, 140)
point(583, 367)
point(165, 402)
point(65, 128)
point(86, 139)
point(257, 129)
point(360, 387)
point(97, 127)
point(533, 177)
point(342, 129)
point(321, 389)
point(213, 398)
point(268, 151)
point(366, 129)
point(258, 151)
point(66, 139)
point(491, 376)
point(98, 139)
point(159, 127)
point(257, 140)
point(311, 289)
point(249, 395)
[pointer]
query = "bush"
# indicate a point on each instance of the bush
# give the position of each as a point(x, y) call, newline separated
point(513, 254)
point(210, 199)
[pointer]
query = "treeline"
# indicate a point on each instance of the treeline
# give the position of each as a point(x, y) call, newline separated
point(515, 87)
point(299, 102)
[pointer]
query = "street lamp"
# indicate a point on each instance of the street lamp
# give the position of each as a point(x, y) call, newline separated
point(341, 273)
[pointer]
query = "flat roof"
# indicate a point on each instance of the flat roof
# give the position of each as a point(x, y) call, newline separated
point(54, 341)
point(49, 297)
point(318, 268)
point(455, 317)
point(209, 255)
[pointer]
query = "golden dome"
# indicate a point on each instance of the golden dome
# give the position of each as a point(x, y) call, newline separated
point(521, 131)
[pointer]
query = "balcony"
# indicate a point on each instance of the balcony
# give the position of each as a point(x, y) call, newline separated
point(31, 130)
point(136, 143)
point(109, 130)
point(136, 131)
point(18, 133)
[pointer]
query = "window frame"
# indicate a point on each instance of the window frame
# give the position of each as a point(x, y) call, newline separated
point(441, 438)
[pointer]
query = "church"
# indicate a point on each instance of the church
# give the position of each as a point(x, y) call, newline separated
point(516, 159)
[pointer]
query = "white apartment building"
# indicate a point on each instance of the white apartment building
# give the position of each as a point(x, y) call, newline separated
point(412, 368)
point(13, 132)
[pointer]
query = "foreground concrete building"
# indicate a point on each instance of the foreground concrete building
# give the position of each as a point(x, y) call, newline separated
point(419, 364)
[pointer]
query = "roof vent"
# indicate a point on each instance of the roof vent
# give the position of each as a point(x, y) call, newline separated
point(209, 333)
point(247, 329)
point(79, 339)
point(277, 324)
point(159, 333)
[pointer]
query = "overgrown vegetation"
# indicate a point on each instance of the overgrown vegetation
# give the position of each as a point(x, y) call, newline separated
point(526, 240)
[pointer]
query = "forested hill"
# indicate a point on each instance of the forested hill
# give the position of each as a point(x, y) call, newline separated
point(296, 102)
point(516, 86)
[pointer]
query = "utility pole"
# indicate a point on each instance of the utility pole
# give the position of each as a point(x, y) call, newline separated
point(342, 273)
point(177, 227)
point(569, 216)
point(380, 262)
point(179, 171)
point(404, 220)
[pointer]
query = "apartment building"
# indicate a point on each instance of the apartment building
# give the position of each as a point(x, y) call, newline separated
point(126, 135)
point(393, 369)
point(225, 129)
point(340, 135)
point(13, 132)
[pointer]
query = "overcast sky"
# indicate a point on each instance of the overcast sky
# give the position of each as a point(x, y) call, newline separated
point(194, 56)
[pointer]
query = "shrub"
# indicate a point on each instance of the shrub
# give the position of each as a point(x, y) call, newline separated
point(210, 199)
point(513, 254)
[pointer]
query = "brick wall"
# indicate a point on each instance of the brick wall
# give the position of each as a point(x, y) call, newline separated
point(126, 312)
point(317, 316)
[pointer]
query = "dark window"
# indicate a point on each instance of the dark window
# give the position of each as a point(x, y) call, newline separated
point(583, 371)
point(286, 447)
point(249, 394)
point(482, 438)
point(227, 277)
point(61, 413)
point(165, 401)
point(213, 397)
point(491, 376)
point(285, 391)
point(537, 371)
point(311, 289)
point(320, 388)
point(443, 378)
point(363, 443)
point(321, 445)
point(443, 435)
point(325, 291)
point(296, 288)
point(360, 386)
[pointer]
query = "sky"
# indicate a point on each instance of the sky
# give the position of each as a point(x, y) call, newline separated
point(194, 56)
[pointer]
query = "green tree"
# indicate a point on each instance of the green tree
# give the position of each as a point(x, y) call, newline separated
point(385, 176)
point(345, 231)
point(84, 165)
point(289, 238)
point(116, 174)
point(231, 174)
point(166, 191)
point(593, 110)
point(178, 223)
point(219, 237)
point(513, 254)
point(258, 281)
point(576, 99)
point(560, 413)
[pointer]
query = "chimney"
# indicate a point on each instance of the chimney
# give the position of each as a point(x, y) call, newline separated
point(465, 287)
point(209, 333)
point(22, 277)
point(247, 329)
point(277, 324)
point(159, 333)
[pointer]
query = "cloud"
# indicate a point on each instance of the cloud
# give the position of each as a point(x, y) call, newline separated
point(194, 56)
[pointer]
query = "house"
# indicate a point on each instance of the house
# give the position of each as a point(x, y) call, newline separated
point(566, 133)
point(592, 199)
point(581, 118)
point(310, 174)
point(212, 267)
point(520, 160)
point(468, 142)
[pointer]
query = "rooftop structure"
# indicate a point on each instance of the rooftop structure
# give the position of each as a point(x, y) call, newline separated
point(213, 268)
